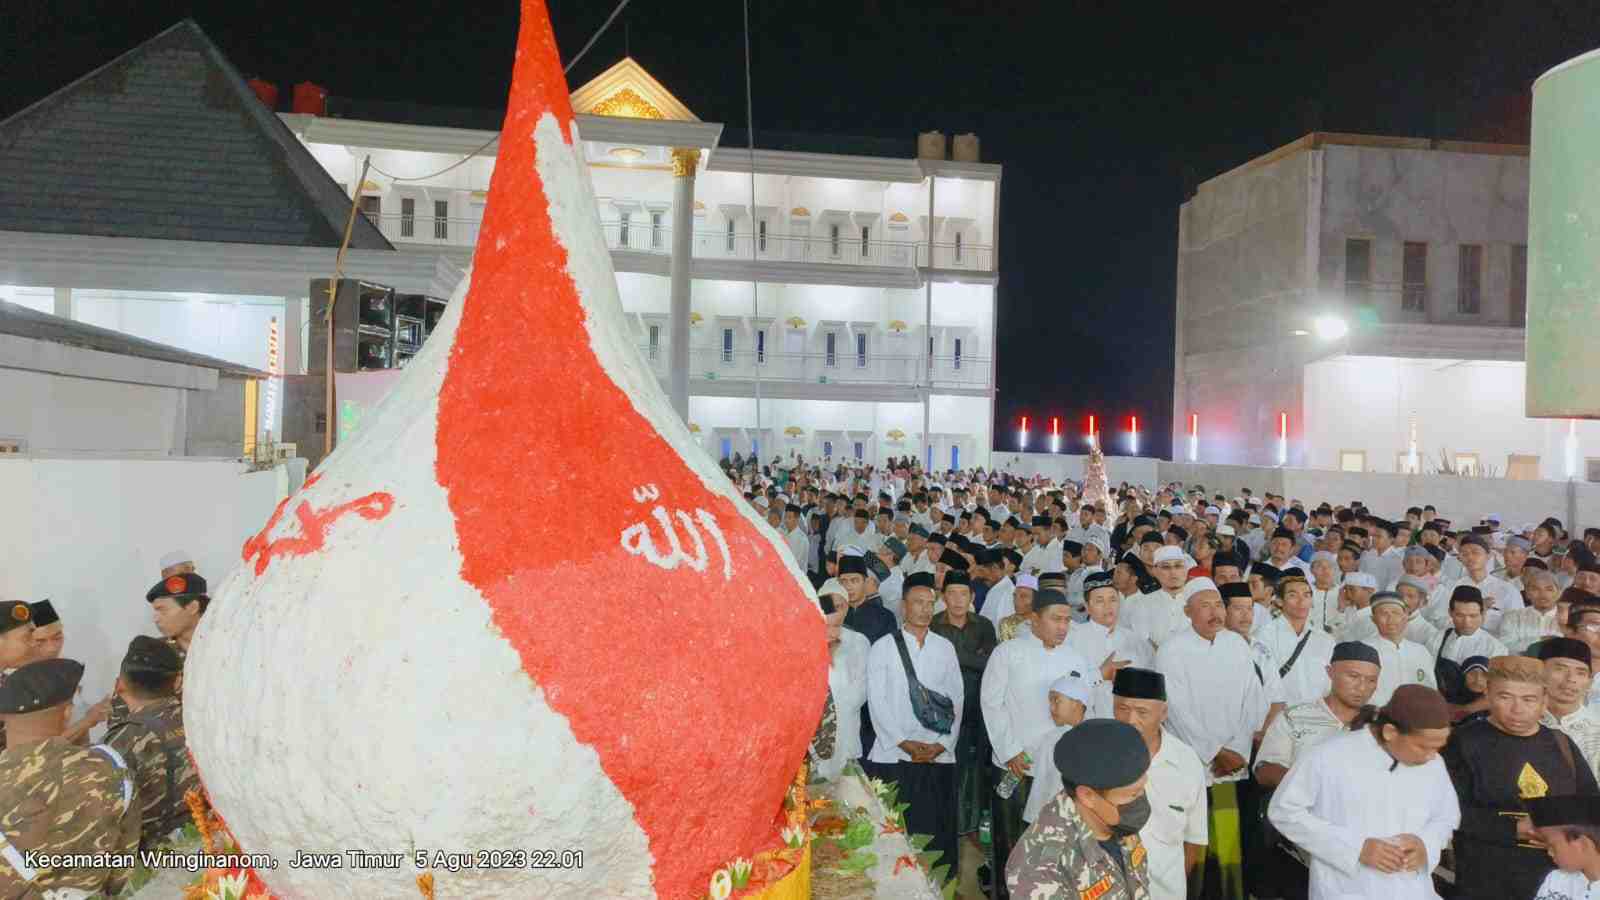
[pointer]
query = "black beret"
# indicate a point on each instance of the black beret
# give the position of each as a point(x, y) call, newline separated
point(1140, 684)
point(43, 613)
point(1102, 754)
point(1095, 581)
point(152, 655)
point(1355, 651)
point(1233, 589)
point(954, 560)
point(957, 578)
point(14, 614)
point(1565, 648)
point(40, 685)
point(852, 565)
point(919, 579)
point(180, 586)
point(1043, 598)
point(1564, 809)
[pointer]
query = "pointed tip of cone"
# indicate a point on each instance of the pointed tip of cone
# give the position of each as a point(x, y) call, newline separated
point(538, 85)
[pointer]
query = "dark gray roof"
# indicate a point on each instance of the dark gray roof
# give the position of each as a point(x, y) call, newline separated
point(167, 141)
point(28, 323)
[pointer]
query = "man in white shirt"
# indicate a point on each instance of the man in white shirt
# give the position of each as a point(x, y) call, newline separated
point(847, 683)
point(1325, 588)
point(1499, 597)
point(1300, 651)
point(1402, 661)
point(1068, 700)
point(1159, 614)
point(1570, 826)
point(1568, 675)
point(1103, 642)
point(999, 602)
point(795, 534)
point(1019, 673)
point(1466, 637)
point(1536, 621)
point(1175, 837)
point(1382, 559)
point(1353, 673)
point(1375, 807)
point(1215, 703)
point(921, 758)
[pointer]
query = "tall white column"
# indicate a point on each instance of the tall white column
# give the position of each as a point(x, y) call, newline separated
point(64, 302)
point(683, 168)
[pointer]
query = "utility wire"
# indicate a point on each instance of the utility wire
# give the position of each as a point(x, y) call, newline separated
point(458, 163)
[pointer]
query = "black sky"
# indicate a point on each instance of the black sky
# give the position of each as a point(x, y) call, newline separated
point(1102, 114)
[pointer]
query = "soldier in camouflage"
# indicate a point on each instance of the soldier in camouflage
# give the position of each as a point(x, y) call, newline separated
point(59, 798)
point(16, 643)
point(151, 737)
point(1085, 843)
point(176, 603)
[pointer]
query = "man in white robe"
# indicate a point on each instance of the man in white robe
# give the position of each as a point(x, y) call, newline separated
point(1158, 614)
point(1499, 597)
point(1175, 837)
point(1401, 661)
point(1300, 650)
point(1215, 705)
point(794, 533)
point(847, 682)
point(1000, 602)
point(1521, 627)
point(1104, 643)
point(1375, 807)
point(1015, 682)
point(921, 759)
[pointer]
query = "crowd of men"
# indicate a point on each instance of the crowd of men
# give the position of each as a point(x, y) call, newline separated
point(62, 793)
point(1326, 702)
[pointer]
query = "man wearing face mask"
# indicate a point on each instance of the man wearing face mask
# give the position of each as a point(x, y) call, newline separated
point(1086, 839)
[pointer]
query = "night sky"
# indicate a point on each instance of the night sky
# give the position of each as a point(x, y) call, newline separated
point(1104, 120)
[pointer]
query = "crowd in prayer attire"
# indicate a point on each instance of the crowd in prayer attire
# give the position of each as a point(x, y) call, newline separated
point(1320, 701)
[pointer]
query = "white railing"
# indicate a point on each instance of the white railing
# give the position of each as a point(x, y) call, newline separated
point(643, 237)
point(820, 367)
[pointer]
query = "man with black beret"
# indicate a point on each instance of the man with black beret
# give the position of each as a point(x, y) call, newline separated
point(1086, 839)
point(177, 603)
point(151, 736)
point(57, 797)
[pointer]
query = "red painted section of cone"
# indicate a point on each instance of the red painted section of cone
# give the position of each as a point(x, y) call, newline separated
point(699, 694)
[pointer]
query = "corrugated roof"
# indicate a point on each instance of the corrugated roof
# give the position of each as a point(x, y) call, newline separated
point(23, 322)
point(167, 141)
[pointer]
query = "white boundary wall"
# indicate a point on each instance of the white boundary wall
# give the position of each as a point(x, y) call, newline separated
point(89, 534)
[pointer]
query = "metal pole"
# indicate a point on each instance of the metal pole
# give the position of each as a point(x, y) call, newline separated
point(684, 161)
point(333, 297)
point(927, 387)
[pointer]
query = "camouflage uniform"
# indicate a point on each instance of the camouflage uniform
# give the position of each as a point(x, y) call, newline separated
point(827, 736)
point(1059, 858)
point(152, 741)
point(57, 797)
point(1010, 625)
point(118, 711)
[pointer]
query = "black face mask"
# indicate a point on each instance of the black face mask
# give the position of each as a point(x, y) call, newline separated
point(1131, 817)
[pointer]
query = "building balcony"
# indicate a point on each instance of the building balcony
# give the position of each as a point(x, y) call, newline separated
point(821, 372)
point(458, 233)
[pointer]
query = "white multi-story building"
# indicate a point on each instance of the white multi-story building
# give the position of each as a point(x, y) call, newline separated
point(850, 296)
point(811, 284)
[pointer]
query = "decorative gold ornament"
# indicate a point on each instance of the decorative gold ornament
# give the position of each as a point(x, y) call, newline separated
point(800, 211)
point(896, 434)
point(795, 322)
point(1530, 784)
point(693, 428)
point(897, 326)
point(627, 154)
point(794, 431)
point(684, 161)
point(695, 318)
point(627, 104)
point(899, 217)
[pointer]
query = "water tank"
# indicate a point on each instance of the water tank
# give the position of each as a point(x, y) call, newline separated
point(965, 148)
point(311, 99)
point(266, 92)
point(930, 145)
point(1564, 242)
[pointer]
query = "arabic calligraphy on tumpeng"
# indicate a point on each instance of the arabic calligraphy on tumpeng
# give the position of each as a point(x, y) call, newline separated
point(638, 540)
